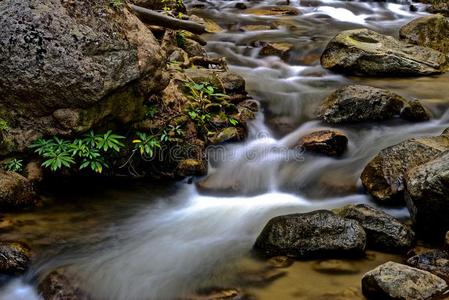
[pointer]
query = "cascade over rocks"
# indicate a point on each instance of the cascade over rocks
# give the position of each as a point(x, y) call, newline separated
point(429, 31)
point(71, 65)
point(427, 197)
point(396, 281)
point(366, 52)
point(383, 232)
point(317, 234)
point(383, 175)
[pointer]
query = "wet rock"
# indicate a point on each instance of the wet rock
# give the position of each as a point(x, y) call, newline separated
point(16, 191)
point(229, 134)
point(446, 241)
point(316, 234)
point(335, 266)
point(217, 293)
point(260, 277)
point(273, 11)
point(383, 176)
point(6, 224)
point(191, 167)
point(426, 197)
point(281, 50)
point(280, 262)
point(428, 31)
point(58, 286)
point(414, 111)
point(383, 232)
point(327, 142)
point(240, 5)
point(434, 261)
point(160, 5)
point(72, 65)
point(257, 27)
point(438, 7)
point(358, 103)
point(351, 293)
point(193, 48)
point(396, 281)
point(362, 51)
point(34, 172)
point(15, 258)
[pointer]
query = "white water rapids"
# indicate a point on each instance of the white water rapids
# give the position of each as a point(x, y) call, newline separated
point(185, 240)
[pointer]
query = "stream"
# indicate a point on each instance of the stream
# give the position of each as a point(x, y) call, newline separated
point(159, 241)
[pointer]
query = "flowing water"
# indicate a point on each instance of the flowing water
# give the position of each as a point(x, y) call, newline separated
point(159, 241)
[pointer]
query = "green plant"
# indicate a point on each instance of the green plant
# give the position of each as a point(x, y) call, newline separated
point(180, 39)
point(14, 165)
point(92, 150)
point(3, 125)
point(204, 91)
point(146, 144)
point(151, 111)
point(171, 131)
point(117, 4)
point(109, 141)
point(233, 121)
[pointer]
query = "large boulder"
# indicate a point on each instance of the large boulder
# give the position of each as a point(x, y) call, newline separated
point(319, 233)
point(383, 176)
point(328, 142)
point(70, 65)
point(15, 258)
point(427, 190)
point(429, 31)
point(396, 281)
point(383, 232)
point(16, 191)
point(363, 51)
point(357, 103)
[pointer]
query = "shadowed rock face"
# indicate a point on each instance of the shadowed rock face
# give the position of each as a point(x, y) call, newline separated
point(358, 103)
point(327, 142)
point(362, 51)
point(395, 281)
point(383, 232)
point(316, 234)
point(15, 258)
point(427, 197)
point(429, 31)
point(68, 66)
point(383, 177)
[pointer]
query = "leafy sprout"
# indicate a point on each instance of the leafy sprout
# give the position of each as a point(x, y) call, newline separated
point(14, 165)
point(146, 144)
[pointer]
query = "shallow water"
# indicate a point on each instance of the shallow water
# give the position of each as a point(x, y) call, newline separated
point(158, 241)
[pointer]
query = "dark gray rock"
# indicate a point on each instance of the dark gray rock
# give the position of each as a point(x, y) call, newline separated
point(383, 232)
point(427, 197)
point(70, 65)
point(414, 111)
point(358, 103)
point(434, 261)
point(15, 258)
point(316, 234)
point(383, 175)
point(396, 281)
point(362, 51)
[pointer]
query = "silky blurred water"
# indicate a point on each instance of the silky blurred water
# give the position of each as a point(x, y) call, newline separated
point(163, 241)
